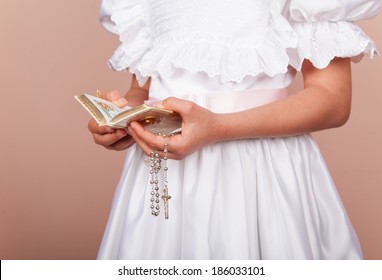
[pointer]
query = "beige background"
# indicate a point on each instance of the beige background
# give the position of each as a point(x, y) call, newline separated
point(56, 186)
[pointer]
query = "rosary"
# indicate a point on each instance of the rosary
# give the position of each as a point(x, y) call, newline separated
point(155, 166)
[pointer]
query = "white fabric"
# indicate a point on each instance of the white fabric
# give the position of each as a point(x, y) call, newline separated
point(239, 38)
point(270, 198)
point(267, 198)
point(248, 199)
point(325, 30)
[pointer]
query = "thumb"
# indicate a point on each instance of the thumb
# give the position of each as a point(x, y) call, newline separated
point(117, 98)
point(180, 106)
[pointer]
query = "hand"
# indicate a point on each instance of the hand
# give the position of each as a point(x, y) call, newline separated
point(198, 127)
point(111, 138)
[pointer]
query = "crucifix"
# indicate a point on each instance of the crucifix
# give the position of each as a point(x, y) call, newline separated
point(165, 198)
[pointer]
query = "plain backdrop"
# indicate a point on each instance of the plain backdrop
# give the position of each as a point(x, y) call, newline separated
point(56, 186)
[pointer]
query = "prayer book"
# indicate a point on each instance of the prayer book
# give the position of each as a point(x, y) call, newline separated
point(154, 119)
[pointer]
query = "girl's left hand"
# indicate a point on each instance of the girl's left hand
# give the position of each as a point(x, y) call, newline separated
point(198, 130)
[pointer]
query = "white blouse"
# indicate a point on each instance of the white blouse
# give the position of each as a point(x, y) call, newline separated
point(231, 40)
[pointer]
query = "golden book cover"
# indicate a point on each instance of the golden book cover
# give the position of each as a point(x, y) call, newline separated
point(154, 119)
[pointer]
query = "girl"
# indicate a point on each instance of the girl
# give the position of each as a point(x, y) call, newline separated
point(246, 179)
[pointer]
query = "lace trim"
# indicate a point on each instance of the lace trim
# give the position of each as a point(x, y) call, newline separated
point(322, 41)
point(232, 60)
point(131, 24)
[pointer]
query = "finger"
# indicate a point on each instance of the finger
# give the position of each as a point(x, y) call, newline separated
point(145, 146)
point(180, 106)
point(94, 127)
point(169, 155)
point(148, 148)
point(117, 98)
point(144, 134)
point(109, 138)
point(149, 141)
point(122, 144)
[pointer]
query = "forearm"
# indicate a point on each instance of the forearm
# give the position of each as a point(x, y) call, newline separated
point(137, 94)
point(314, 108)
point(324, 103)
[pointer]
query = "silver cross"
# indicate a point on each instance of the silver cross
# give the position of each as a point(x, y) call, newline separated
point(165, 198)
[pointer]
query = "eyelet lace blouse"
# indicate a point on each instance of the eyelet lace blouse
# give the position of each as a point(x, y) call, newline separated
point(234, 39)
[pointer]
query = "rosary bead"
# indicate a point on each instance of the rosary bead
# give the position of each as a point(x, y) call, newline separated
point(155, 167)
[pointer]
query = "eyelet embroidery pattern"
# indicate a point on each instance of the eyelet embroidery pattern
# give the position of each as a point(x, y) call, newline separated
point(153, 41)
point(322, 41)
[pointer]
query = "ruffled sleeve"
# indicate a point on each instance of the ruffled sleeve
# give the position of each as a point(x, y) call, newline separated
point(325, 30)
point(128, 20)
point(237, 39)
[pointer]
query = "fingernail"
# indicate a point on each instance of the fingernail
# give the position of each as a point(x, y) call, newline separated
point(121, 102)
point(110, 130)
point(159, 105)
point(133, 125)
point(122, 132)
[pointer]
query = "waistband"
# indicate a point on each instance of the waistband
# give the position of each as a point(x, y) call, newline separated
point(235, 101)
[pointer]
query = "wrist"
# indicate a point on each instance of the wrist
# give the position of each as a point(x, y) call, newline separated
point(219, 131)
point(229, 126)
point(136, 96)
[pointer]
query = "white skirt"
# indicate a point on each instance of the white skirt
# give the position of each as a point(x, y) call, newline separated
point(268, 198)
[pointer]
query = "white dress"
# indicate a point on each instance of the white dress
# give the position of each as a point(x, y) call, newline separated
point(267, 198)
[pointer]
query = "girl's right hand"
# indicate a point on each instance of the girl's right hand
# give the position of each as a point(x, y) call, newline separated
point(109, 137)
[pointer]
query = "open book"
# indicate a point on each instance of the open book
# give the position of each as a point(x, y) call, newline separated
point(154, 119)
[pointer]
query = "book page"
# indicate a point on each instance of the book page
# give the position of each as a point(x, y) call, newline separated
point(107, 108)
